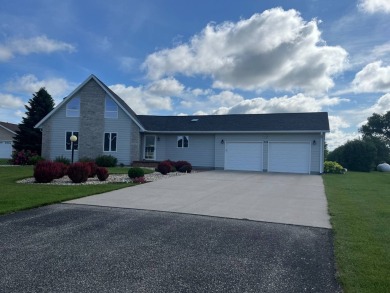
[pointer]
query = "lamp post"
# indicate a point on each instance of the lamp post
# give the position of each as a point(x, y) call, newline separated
point(73, 139)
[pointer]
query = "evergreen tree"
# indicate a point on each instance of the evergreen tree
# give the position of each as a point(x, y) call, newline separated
point(28, 137)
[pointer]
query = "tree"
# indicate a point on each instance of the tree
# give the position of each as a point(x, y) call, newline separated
point(27, 137)
point(355, 155)
point(378, 126)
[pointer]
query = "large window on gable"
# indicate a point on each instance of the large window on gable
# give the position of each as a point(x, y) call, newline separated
point(68, 143)
point(183, 141)
point(110, 142)
point(111, 109)
point(73, 108)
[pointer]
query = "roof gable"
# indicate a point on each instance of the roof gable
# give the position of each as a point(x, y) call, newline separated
point(108, 91)
point(281, 122)
point(9, 127)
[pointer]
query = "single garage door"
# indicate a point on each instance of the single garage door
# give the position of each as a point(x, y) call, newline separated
point(245, 156)
point(5, 149)
point(289, 157)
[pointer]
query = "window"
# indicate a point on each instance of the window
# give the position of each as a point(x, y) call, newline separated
point(150, 147)
point(110, 142)
point(73, 108)
point(68, 143)
point(183, 141)
point(111, 110)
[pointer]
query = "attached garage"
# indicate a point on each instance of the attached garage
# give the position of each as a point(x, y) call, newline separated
point(289, 157)
point(5, 149)
point(244, 156)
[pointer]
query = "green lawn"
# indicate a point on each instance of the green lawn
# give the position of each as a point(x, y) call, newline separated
point(359, 205)
point(15, 197)
point(4, 161)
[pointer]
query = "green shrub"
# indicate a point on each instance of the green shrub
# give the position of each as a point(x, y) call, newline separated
point(35, 159)
point(86, 160)
point(333, 167)
point(106, 161)
point(62, 159)
point(135, 172)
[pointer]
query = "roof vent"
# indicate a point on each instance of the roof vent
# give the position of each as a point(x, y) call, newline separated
point(194, 120)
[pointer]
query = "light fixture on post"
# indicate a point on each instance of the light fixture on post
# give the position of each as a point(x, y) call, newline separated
point(73, 139)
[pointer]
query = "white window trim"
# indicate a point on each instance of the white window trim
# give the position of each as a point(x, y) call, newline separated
point(104, 138)
point(155, 146)
point(106, 111)
point(182, 136)
point(72, 132)
point(68, 111)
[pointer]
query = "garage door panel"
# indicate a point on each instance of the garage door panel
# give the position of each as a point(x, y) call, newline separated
point(244, 156)
point(291, 157)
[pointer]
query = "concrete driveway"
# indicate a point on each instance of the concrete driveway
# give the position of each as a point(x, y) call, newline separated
point(277, 198)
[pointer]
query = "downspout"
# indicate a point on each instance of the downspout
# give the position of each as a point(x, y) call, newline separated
point(322, 153)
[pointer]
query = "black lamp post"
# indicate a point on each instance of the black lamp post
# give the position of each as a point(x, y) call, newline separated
point(73, 139)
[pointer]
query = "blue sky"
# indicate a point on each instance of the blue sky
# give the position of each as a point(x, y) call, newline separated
point(177, 57)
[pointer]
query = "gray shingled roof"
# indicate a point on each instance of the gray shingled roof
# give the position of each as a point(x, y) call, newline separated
point(317, 121)
point(10, 126)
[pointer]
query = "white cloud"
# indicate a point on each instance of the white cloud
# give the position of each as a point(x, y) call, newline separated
point(29, 84)
point(285, 104)
point(166, 87)
point(372, 78)
point(374, 6)
point(275, 49)
point(10, 101)
point(141, 100)
point(24, 46)
point(226, 98)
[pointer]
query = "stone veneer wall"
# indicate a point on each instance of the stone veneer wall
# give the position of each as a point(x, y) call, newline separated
point(135, 142)
point(46, 139)
point(92, 103)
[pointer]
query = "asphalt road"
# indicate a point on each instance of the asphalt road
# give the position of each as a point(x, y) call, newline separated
point(75, 248)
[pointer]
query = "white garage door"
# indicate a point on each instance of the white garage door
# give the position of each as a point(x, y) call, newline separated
point(5, 149)
point(289, 157)
point(245, 156)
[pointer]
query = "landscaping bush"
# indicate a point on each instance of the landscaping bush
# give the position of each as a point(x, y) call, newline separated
point(92, 167)
point(106, 161)
point(164, 167)
point(60, 170)
point(45, 171)
point(86, 160)
point(135, 172)
point(102, 173)
point(183, 166)
point(35, 159)
point(22, 157)
point(78, 172)
point(333, 168)
point(62, 159)
point(139, 180)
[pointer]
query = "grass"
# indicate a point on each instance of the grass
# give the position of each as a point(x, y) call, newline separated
point(359, 205)
point(16, 197)
point(4, 161)
point(124, 170)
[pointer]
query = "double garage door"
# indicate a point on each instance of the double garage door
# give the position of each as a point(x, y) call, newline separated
point(289, 157)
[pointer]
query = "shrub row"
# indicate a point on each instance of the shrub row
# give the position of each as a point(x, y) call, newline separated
point(333, 168)
point(25, 157)
point(47, 171)
point(168, 166)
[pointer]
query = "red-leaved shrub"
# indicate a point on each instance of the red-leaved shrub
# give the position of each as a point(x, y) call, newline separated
point(102, 173)
point(180, 164)
point(78, 172)
point(45, 171)
point(59, 170)
point(139, 180)
point(164, 167)
point(93, 167)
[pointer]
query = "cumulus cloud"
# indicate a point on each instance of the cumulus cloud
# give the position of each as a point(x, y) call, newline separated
point(338, 136)
point(374, 6)
point(29, 84)
point(141, 100)
point(166, 87)
point(285, 104)
point(9, 101)
point(372, 78)
point(275, 49)
point(26, 46)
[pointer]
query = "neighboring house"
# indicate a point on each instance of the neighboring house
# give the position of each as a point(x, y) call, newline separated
point(105, 124)
point(7, 133)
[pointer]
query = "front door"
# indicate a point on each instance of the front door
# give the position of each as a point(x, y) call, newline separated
point(150, 147)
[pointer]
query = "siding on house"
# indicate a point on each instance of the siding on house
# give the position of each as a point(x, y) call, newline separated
point(200, 152)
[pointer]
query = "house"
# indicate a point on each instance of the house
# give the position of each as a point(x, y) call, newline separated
point(7, 133)
point(105, 124)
